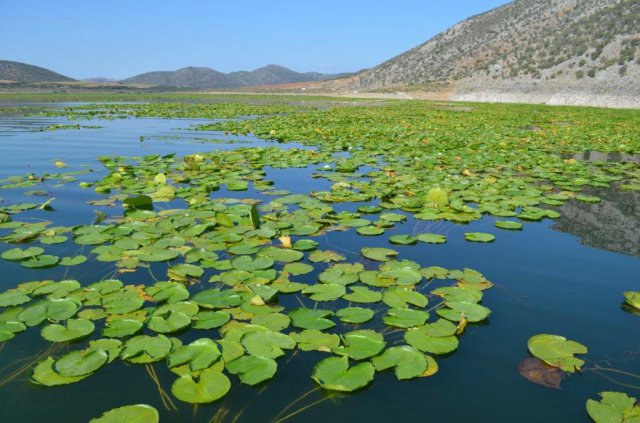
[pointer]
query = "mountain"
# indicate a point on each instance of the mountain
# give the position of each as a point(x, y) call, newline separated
point(571, 49)
point(202, 77)
point(189, 77)
point(28, 74)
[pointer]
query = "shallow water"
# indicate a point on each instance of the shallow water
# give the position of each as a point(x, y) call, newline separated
point(550, 278)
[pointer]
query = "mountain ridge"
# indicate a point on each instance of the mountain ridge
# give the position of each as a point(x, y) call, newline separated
point(204, 77)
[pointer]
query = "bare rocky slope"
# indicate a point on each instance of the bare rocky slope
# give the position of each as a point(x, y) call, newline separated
point(584, 52)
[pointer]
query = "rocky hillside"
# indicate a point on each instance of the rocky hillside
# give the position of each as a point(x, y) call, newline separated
point(28, 74)
point(202, 77)
point(535, 48)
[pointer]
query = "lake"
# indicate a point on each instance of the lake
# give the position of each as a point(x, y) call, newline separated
point(561, 276)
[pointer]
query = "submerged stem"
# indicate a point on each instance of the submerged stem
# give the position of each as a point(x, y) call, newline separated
point(300, 410)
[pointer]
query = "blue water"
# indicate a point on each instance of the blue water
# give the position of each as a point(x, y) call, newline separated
point(547, 281)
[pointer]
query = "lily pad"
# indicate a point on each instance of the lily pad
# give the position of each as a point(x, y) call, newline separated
point(355, 315)
point(40, 262)
point(281, 254)
point(252, 370)
point(632, 298)
point(407, 361)
point(139, 413)
point(81, 363)
point(17, 254)
point(432, 341)
point(44, 374)
point(267, 344)
point(75, 329)
point(405, 317)
point(210, 386)
point(379, 254)
point(614, 407)
point(306, 318)
point(315, 340)
point(216, 298)
point(119, 328)
point(432, 238)
point(210, 319)
point(325, 291)
point(370, 230)
point(507, 224)
point(479, 237)
point(361, 344)
point(73, 261)
point(144, 349)
point(250, 264)
point(200, 354)
point(402, 297)
point(403, 239)
point(334, 374)
point(298, 268)
point(557, 351)
point(361, 294)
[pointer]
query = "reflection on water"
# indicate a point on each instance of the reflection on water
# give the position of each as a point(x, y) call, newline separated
point(599, 156)
point(613, 224)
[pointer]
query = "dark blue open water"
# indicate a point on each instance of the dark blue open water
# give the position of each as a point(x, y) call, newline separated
point(564, 277)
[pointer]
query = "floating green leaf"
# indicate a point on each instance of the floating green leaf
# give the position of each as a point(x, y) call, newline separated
point(361, 344)
point(355, 315)
point(432, 238)
point(139, 413)
point(80, 363)
point(75, 329)
point(306, 318)
point(507, 224)
point(199, 354)
point(334, 374)
point(557, 351)
point(379, 254)
point(405, 317)
point(315, 340)
point(408, 362)
point(252, 370)
point(211, 386)
point(479, 237)
point(144, 349)
point(614, 407)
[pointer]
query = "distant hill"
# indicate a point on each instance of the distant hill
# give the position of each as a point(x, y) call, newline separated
point(28, 74)
point(526, 50)
point(203, 77)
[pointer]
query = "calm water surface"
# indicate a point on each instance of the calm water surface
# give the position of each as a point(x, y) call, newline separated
point(564, 277)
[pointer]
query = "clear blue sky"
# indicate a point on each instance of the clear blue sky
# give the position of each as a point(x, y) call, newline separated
point(121, 38)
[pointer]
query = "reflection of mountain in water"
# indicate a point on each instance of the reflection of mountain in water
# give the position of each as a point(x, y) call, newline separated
point(598, 156)
point(613, 224)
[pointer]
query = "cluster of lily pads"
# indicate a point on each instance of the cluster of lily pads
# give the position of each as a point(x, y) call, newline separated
point(252, 328)
point(254, 258)
point(370, 314)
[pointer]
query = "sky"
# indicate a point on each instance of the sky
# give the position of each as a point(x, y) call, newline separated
point(119, 39)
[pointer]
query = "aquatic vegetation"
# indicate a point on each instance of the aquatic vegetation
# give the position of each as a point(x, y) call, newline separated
point(140, 413)
point(557, 351)
point(243, 275)
point(613, 407)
